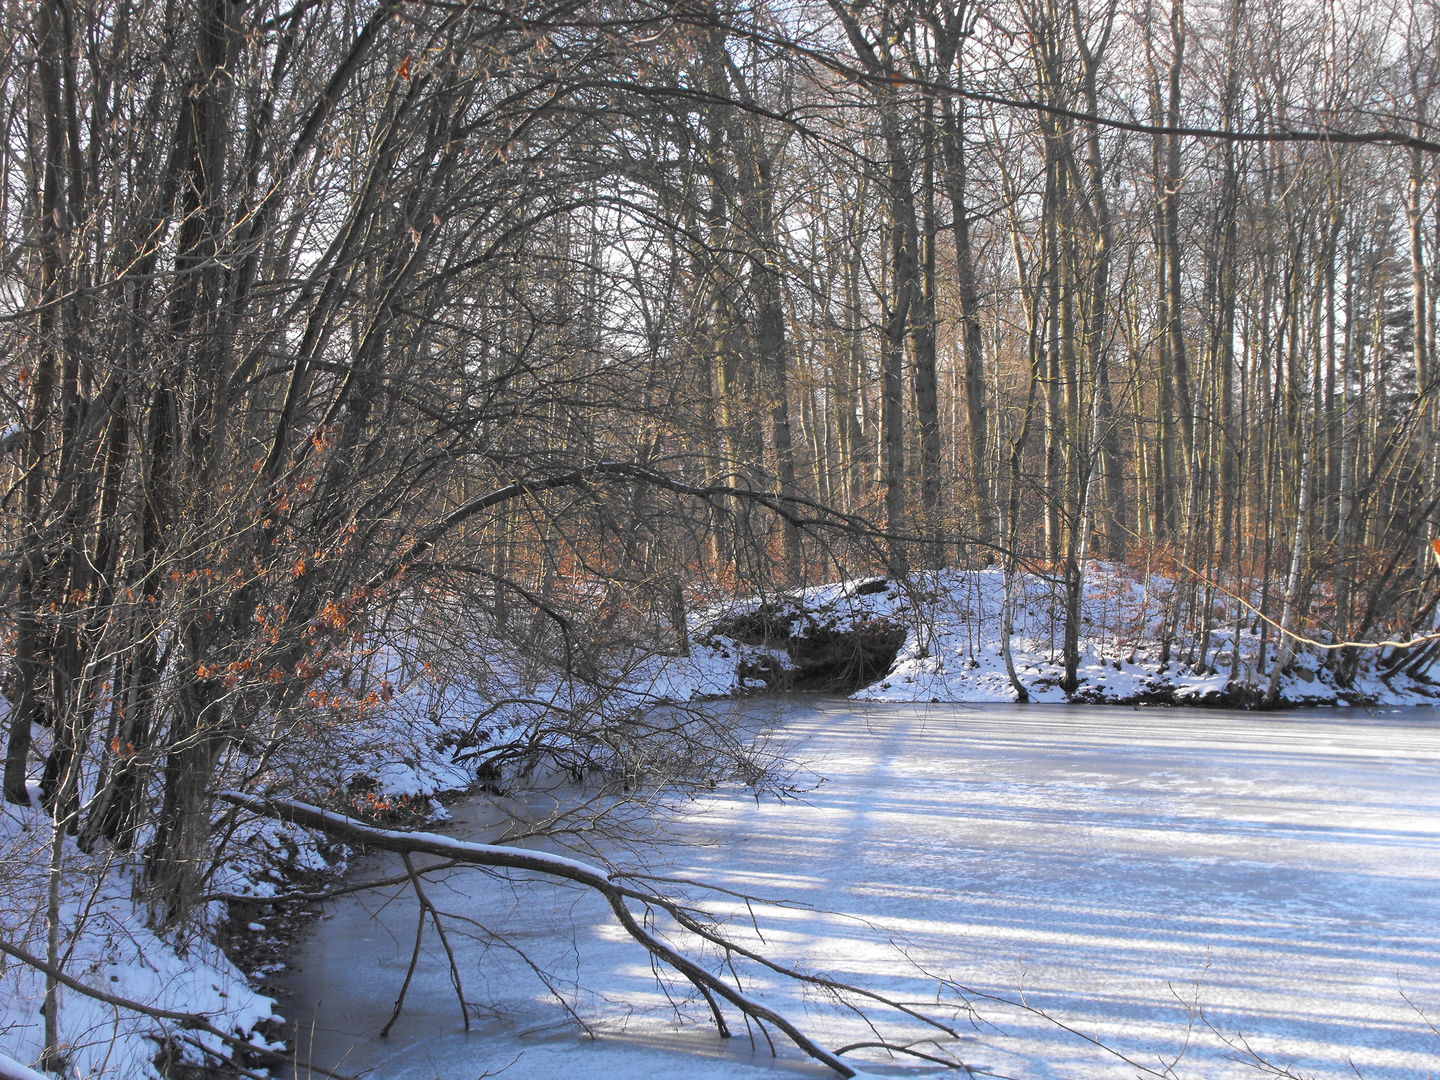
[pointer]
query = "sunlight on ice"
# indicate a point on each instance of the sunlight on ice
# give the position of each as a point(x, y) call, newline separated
point(1203, 888)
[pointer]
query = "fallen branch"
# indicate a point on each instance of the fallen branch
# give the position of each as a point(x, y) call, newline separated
point(619, 895)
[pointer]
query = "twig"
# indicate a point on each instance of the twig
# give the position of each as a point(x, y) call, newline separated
point(409, 969)
point(905, 1048)
point(427, 906)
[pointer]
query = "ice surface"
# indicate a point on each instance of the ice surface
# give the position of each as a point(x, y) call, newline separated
point(1194, 889)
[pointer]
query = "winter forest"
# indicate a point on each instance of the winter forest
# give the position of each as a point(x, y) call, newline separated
point(377, 373)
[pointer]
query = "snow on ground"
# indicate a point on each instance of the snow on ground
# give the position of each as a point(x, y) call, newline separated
point(108, 946)
point(424, 730)
point(1200, 890)
point(953, 648)
point(400, 737)
point(106, 942)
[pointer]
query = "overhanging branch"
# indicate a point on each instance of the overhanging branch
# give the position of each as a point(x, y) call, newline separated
point(617, 894)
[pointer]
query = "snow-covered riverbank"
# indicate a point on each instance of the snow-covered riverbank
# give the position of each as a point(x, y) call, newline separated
point(938, 638)
point(1188, 887)
point(950, 644)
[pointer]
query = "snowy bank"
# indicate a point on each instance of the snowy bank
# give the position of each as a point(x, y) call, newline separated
point(947, 641)
point(107, 945)
point(389, 736)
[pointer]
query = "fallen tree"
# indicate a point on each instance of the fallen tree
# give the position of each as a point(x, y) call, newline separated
point(623, 893)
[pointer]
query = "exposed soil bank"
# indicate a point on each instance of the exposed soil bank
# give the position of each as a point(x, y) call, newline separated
point(820, 654)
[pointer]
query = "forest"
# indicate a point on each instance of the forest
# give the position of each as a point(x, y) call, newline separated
point(336, 330)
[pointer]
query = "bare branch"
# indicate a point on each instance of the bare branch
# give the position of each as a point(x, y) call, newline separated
point(616, 894)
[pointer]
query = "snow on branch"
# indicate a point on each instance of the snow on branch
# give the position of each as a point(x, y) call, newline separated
point(619, 895)
point(10, 1069)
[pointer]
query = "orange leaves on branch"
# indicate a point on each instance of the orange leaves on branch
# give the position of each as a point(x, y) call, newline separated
point(323, 438)
point(374, 804)
point(346, 703)
point(334, 703)
point(229, 674)
point(271, 619)
point(203, 573)
point(333, 616)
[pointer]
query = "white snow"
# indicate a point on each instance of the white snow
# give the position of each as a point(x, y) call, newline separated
point(109, 947)
point(1161, 892)
point(1194, 888)
point(953, 647)
point(10, 1069)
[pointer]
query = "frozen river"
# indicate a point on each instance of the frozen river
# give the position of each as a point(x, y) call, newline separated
point(1207, 893)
